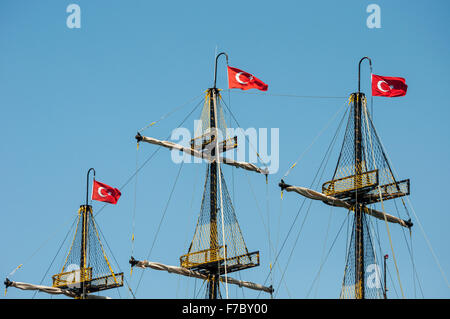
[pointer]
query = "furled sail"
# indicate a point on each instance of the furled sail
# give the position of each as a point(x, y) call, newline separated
point(195, 274)
point(199, 154)
point(48, 289)
point(330, 200)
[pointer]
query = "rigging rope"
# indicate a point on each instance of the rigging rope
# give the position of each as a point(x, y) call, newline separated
point(271, 247)
point(410, 250)
point(328, 254)
point(117, 264)
point(169, 113)
point(324, 164)
point(133, 226)
point(185, 245)
point(314, 140)
point(421, 228)
point(149, 158)
point(429, 245)
point(160, 222)
point(296, 96)
point(57, 253)
point(324, 247)
point(382, 205)
point(250, 144)
point(304, 200)
point(221, 200)
point(41, 246)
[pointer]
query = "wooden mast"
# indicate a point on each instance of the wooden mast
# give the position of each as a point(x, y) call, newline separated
point(213, 283)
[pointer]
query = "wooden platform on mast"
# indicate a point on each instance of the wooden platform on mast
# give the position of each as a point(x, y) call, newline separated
point(365, 187)
point(213, 259)
point(73, 279)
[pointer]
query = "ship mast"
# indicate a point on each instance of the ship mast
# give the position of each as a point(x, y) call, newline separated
point(94, 272)
point(218, 247)
point(359, 229)
point(213, 285)
point(362, 177)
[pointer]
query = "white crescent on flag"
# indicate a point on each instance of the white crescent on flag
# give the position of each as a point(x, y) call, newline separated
point(100, 192)
point(379, 86)
point(238, 78)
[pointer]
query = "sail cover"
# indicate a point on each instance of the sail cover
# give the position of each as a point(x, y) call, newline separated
point(196, 153)
point(190, 273)
point(48, 289)
point(330, 200)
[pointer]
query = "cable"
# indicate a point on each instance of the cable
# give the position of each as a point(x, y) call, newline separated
point(314, 140)
point(323, 249)
point(258, 209)
point(296, 96)
point(324, 164)
point(169, 113)
point(40, 247)
point(133, 226)
point(148, 159)
point(57, 253)
point(328, 254)
point(382, 204)
point(160, 222)
point(304, 200)
point(112, 254)
point(248, 141)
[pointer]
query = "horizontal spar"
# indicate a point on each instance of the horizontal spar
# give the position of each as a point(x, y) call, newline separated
point(196, 153)
point(329, 200)
point(47, 289)
point(195, 274)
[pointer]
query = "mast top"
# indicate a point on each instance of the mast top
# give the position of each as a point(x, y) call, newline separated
point(215, 68)
point(359, 71)
point(87, 184)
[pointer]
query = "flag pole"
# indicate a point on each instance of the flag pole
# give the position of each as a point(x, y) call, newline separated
point(359, 71)
point(87, 184)
point(84, 238)
point(215, 69)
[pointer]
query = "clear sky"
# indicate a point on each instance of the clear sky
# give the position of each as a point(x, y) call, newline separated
point(72, 99)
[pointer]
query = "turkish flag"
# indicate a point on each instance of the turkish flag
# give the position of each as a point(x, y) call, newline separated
point(388, 86)
point(238, 79)
point(105, 193)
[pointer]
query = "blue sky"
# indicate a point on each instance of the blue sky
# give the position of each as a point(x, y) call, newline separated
point(72, 99)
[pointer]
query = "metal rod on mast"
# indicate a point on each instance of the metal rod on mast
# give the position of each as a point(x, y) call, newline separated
point(385, 289)
point(87, 184)
point(215, 68)
point(85, 215)
point(359, 71)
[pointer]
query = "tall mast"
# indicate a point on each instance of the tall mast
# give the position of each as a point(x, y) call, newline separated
point(213, 240)
point(359, 226)
point(359, 229)
point(85, 209)
point(213, 283)
point(218, 247)
point(95, 272)
point(356, 184)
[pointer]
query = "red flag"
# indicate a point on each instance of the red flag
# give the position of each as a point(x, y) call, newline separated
point(105, 193)
point(238, 79)
point(388, 86)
